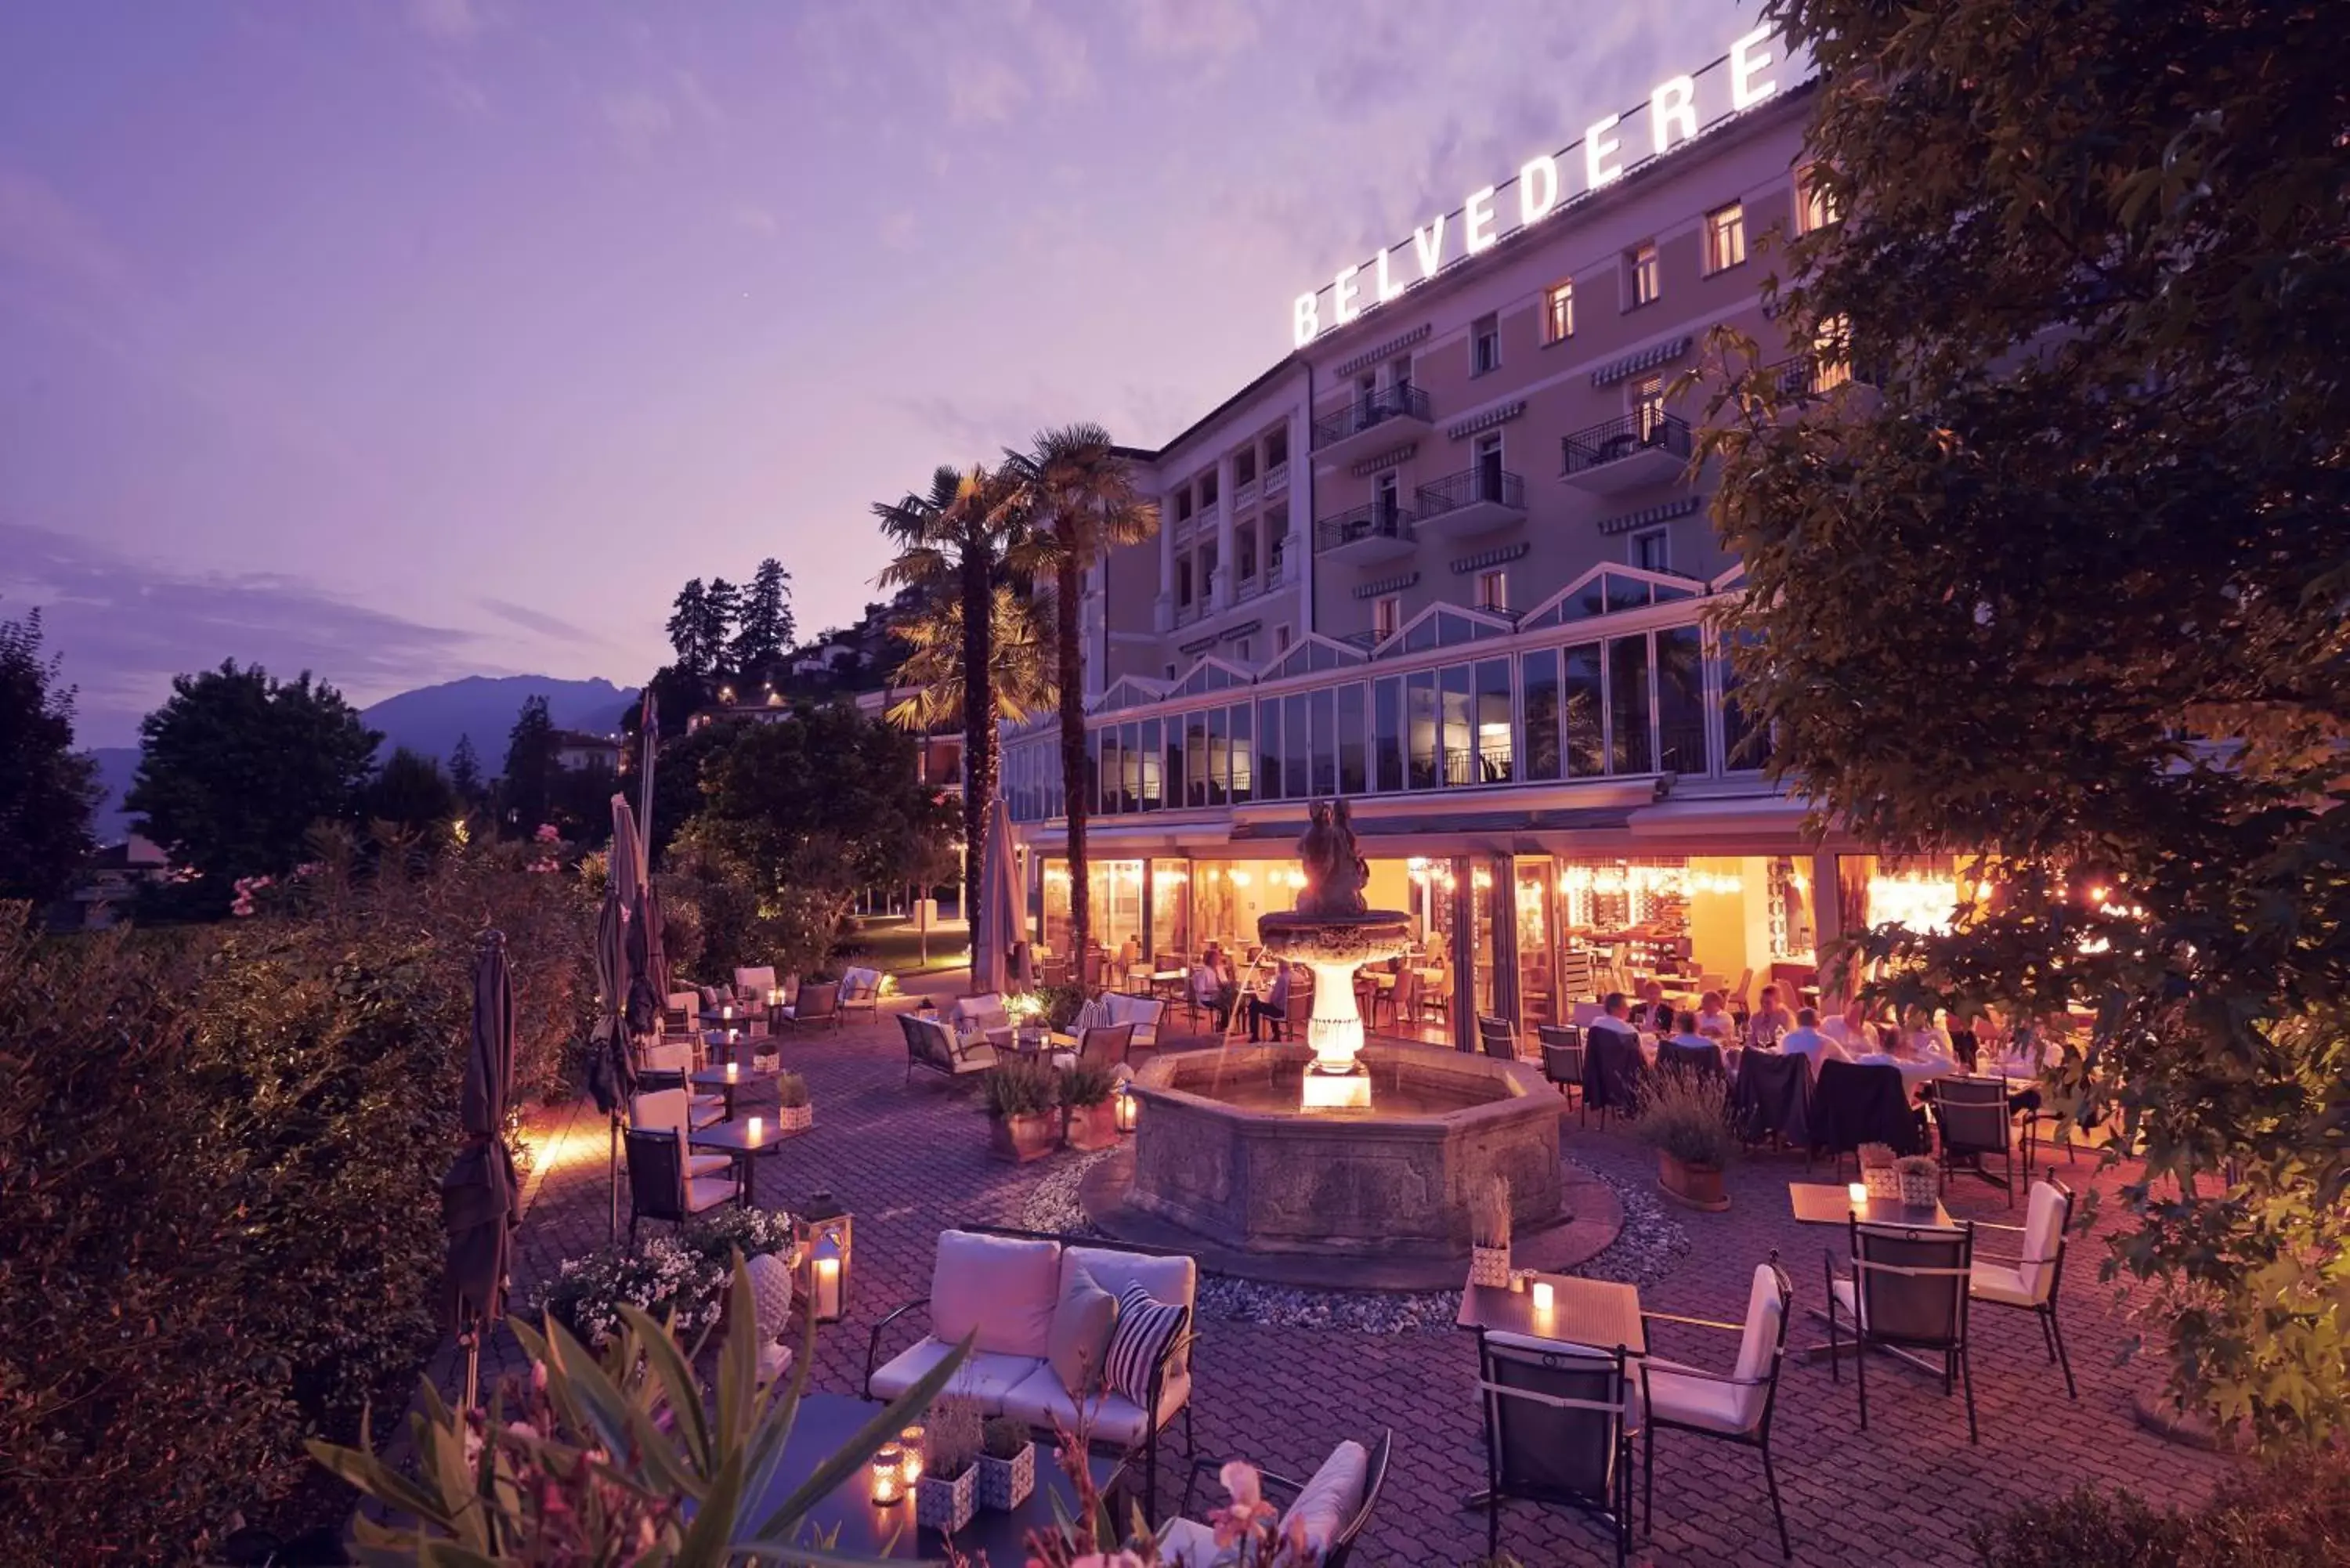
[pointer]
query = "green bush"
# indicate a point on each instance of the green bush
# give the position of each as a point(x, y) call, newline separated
point(1019, 1087)
point(2292, 1511)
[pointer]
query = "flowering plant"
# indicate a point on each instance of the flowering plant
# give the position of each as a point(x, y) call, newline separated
point(716, 1238)
point(664, 1276)
point(1247, 1529)
point(247, 887)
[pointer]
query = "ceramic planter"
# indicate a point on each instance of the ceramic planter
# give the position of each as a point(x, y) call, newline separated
point(1918, 1188)
point(1490, 1266)
point(1093, 1127)
point(1882, 1181)
point(1699, 1186)
point(1022, 1138)
point(946, 1504)
point(1004, 1484)
point(795, 1118)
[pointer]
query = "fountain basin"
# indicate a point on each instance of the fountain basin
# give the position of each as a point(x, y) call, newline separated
point(1221, 1151)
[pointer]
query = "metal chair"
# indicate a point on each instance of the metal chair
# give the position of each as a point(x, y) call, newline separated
point(1908, 1294)
point(1561, 1056)
point(1499, 1038)
point(1970, 1121)
point(1557, 1429)
point(1736, 1406)
point(658, 1186)
point(819, 1003)
point(1341, 1546)
point(1611, 1071)
point(2031, 1280)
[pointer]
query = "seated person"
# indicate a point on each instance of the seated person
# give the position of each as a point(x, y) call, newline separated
point(1687, 1032)
point(1616, 1015)
point(1923, 1040)
point(1853, 1030)
point(1713, 1020)
point(1272, 1007)
point(1654, 1013)
point(1770, 1020)
point(1805, 1040)
point(1213, 986)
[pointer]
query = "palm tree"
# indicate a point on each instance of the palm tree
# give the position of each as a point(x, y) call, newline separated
point(930, 679)
point(951, 542)
point(1083, 502)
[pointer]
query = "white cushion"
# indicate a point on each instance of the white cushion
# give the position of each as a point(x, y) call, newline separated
point(670, 1056)
point(984, 1376)
point(1188, 1543)
point(1676, 1395)
point(1040, 1400)
point(707, 1192)
point(1173, 1279)
point(1142, 1012)
point(761, 980)
point(859, 981)
point(1845, 1298)
point(1330, 1500)
point(2043, 1232)
point(708, 1108)
point(1999, 1282)
point(1001, 1289)
point(1763, 1309)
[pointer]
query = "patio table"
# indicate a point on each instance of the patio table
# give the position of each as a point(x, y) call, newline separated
point(727, 1081)
point(1602, 1313)
point(734, 1139)
point(1817, 1203)
point(827, 1421)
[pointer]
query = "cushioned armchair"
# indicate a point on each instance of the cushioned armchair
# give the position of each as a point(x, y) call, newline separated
point(1330, 1510)
point(1033, 1310)
point(1142, 1012)
point(933, 1047)
point(1733, 1406)
point(2030, 1280)
point(860, 990)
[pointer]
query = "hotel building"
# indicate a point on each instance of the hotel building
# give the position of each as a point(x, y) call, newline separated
point(1450, 560)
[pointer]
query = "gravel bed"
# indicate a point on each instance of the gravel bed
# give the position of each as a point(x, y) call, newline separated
point(1651, 1242)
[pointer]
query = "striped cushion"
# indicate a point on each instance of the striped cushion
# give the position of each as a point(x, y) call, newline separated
point(1146, 1329)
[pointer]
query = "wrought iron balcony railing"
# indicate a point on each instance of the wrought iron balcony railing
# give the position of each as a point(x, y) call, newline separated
point(1368, 413)
point(1643, 430)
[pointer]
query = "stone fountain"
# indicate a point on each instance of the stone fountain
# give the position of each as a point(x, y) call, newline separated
point(1332, 1154)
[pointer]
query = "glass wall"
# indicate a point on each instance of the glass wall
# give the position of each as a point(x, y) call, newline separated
point(1115, 902)
point(1170, 904)
point(1538, 993)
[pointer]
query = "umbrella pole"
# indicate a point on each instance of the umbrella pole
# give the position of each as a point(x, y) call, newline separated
point(612, 1177)
point(473, 1369)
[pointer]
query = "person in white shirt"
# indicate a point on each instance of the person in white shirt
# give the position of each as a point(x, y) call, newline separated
point(1805, 1040)
point(1852, 1031)
point(1922, 1039)
point(1272, 1007)
point(1686, 1032)
point(1616, 1015)
point(1713, 1020)
point(1770, 1019)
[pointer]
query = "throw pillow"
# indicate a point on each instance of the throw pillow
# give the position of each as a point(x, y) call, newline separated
point(1082, 1321)
point(1325, 1504)
point(1146, 1329)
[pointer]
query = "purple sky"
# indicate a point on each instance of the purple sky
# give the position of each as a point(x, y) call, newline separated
point(428, 337)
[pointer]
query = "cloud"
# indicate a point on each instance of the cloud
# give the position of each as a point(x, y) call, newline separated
point(758, 220)
point(639, 121)
point(1193, 29)
point(897, 231)
point(539, 622)
point(970, 432)
point(45, 234)
point(983, 91)
point(445, 21)
point(125, 628)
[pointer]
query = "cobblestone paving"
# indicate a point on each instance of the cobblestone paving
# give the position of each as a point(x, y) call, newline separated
point(909, 1159)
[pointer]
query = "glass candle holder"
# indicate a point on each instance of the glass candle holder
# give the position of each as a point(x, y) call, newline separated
point(755, 1129)
point(1543, 1295)
point(1858, 1192)
point(910, 1449)
point(889, 1475)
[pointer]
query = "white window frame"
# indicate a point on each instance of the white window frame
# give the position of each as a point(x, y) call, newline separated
point(1479, 337)
point(1632, 549)
point(1498, 602)
point(1644, 274)
point(1387, 616)
point(1728, 219)
point(1563, 289)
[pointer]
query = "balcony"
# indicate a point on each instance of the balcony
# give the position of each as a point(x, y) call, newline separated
point(1642, 448)
point(1389, 414)
point(1805, 377)
point(1366, 535)
point(1474, 501)
point(1276, 479)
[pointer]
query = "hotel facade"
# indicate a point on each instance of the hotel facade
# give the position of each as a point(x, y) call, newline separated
point(1450, 561)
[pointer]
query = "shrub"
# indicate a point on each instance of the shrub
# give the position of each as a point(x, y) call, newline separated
point(791, 1090)
point(1086, 1084)
point(1686, 1115)
point(2292, 1511)
point(1005, 1437)
point(1060, 1004)
point(1020, 1088)
point(663, 1277)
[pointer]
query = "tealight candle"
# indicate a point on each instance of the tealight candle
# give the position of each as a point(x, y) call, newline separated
point(755, 1129)
point(731, 1070)
point(1543, 1295)
point(1859, 1193)
point(909, 1443)
point(889, 1475)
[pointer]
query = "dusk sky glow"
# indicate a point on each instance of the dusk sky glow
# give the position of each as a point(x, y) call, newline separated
point(411, 339)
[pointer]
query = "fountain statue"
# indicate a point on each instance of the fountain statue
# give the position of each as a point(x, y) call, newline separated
point(1333, 933)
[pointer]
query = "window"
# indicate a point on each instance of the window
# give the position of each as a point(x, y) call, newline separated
point(1295, 733)
point(1244, 466)
point(1207, 491)
point(1276, 447)
point(1538, 677)
point(1832, 355)
point(1488, 468)
point(1352, 779)
point(1493, 590)
point(1243, 650)
point(1653, 550)
point(1387, 616)
point(1399, 370)
point(1725, 237)
point(1244, 547)
point(1388, 496)
point(1280, 639)
point(1485, 345)
point(1387, 731)
point(1581, 714)
point(1183, 504)
point(1680, 700)
point(1814, 207)
point(1649, 404)
point(1244, 776)
point(1558, 312)
point(1641, 260)
point(1496, 753)
point(1456, 700)
point(1419, 727)
point(1628, 705)
point(1182, 593)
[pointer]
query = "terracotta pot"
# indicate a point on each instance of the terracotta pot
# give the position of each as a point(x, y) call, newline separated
point(1699, 1186)
point(1093, 1127)
point(1022, 1138)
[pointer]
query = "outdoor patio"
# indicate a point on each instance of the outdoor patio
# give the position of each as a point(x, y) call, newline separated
point(909, 1160)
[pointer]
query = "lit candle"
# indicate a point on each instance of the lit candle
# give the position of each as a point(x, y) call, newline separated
point(727, 1012)
point(1543, 1295)
point(889, 1475)
point(755, 1129)
point(909, 1443)
point(1859, 1193)
point(827, 1289)
point(730, 1072)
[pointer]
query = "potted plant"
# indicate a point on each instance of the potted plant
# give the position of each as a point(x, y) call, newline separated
point(794, 1113)
point(1007, 1464)
point(1090, 1118)
point(1489, 1223)
point(1877, 1172)
point(1685, 1117)
point(948, 1491)
point(1020, 1099)
point(1919, 1177)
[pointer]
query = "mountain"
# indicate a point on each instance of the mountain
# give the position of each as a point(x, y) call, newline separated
point(430, 717)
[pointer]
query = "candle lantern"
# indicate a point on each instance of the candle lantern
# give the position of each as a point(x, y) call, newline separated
point(826, 1238)
point(1859, 1193)
point(1543, 1295)
point(1126, 1107)
point(909, 1445)
point(726, 1013)
point(889, 1475)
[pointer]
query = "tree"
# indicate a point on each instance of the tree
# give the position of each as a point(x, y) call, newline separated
point(931, 676)
point(48, 791)
point(2065, 591)
point(235, 767)
point(953, 539)
point(532, 748)
point(1082, 494)
point(411, 791)
point(765, 627)
point(721, 607)
point(688, 626)
point(465, 772)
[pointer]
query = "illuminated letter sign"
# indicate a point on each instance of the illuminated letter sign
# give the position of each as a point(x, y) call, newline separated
point(1477, 221)
point(1389, 288)
point(1598, 147)
point(1537, 188)
point(1342, 303)
point(1429, 243)
point(1747, 58)
point(1672, 103)
point(1308, 320)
